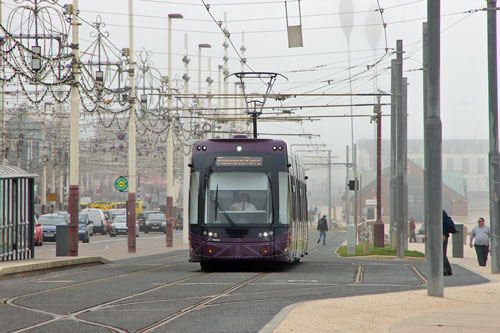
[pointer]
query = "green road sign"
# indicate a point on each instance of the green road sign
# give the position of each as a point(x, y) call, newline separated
point(121, 184)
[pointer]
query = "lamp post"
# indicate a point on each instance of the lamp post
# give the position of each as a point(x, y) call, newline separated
point(171, 195)
point(187, 169)
point(201, 46)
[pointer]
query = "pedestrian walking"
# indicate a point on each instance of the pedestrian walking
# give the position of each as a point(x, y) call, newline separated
point(322, 228)
point(413, 235)
point(480, 234)
point(448, 228)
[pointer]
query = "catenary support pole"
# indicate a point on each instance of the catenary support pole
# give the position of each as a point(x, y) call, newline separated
point(132, 172)
point(400, 229)
point(74, 188)
point(329, 186)
point(432, 154)
point(493, 137)
point(425, 47)
point(392, 222)
point(378, 227)
point(404, 159)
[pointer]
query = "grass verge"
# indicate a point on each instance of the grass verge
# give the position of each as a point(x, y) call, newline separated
point(381, 251)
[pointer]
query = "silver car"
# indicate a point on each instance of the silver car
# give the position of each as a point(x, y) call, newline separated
point(119, 226)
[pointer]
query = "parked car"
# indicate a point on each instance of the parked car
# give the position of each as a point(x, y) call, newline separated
point(83, 218)
point(156, 222)
point(178, 223)
point(38, 233)
point(83, 233)
point(98, 219)
point(142, 216)
point(421, 231)
point(63, 213)
point(115, 212)
point(119, 226)
point(49, 223)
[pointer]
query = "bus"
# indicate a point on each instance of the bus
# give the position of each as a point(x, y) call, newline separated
point(247, 202)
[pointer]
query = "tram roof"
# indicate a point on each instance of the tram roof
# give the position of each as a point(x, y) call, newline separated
point(10, 171)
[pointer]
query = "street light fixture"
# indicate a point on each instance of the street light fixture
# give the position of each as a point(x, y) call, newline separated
point(99, 76)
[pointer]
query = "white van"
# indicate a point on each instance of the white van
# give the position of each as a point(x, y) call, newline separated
point(98, 219)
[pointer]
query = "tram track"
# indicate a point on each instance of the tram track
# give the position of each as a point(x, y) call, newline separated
point(200, 304)
point(73, 315)
point(93, 268)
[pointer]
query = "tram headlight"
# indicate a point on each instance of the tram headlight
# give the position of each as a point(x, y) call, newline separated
point(239, 148)
point(275, 148)
point(205, 233)
point(265, 234)
point(259, 234)
point(210, 234)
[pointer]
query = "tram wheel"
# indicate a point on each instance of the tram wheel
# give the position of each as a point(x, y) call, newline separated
point(207, 266)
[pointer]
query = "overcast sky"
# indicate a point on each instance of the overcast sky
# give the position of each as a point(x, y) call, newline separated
point(321, 65)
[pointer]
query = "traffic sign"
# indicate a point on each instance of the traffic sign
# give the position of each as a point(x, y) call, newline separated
point(121, 184)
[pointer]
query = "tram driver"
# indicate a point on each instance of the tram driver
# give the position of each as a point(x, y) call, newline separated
point(244, 204)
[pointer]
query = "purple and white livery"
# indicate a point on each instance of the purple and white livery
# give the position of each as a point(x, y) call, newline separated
point(247, 202)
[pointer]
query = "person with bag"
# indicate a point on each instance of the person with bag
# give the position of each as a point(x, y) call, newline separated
point(448, 228)
point(322, 228)
point(480, 234)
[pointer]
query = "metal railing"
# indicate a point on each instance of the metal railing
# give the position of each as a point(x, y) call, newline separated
point(17, 209)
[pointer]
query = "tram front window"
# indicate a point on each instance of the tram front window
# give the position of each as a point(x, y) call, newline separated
point(238, 198)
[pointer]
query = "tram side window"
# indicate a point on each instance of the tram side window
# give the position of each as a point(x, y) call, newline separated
point(284, 198)
point(193, 197)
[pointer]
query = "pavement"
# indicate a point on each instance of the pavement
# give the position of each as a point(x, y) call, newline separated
point(462, 309)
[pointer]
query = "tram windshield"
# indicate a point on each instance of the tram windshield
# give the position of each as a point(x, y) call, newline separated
point(238, 198)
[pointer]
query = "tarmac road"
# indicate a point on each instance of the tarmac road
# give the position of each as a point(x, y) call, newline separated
point(164, 292)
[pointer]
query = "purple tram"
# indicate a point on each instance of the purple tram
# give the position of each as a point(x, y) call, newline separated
point(247, 202)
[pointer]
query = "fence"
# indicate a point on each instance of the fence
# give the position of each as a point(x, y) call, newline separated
point(17, 214)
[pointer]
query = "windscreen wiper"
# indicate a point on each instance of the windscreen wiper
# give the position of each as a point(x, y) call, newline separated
point(222, 210)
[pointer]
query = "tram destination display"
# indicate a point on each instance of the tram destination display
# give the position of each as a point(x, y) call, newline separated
point(252, 161)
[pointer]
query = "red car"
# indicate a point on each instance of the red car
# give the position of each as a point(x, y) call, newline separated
point(38, 233)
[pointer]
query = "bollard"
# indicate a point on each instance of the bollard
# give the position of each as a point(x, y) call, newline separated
point(458, 241)
point(170, 233)
point(62, 240)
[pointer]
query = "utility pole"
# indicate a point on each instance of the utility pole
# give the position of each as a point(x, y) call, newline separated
point(493, 137)
point(433, 151)
point(74, 188)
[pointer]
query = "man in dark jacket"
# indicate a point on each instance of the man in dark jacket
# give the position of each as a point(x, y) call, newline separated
point(322, 228)
point(448, 227)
